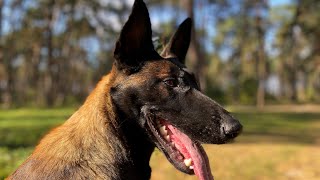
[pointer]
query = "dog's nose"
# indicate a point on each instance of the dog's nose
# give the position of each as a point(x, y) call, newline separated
point(231, 127)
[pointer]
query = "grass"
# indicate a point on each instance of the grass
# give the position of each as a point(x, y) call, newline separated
point(10, 159)
point(273, 145)
point(251, 162)
point(268, 127)
point(24, 127)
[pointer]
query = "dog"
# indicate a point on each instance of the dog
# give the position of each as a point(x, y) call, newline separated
point(146, 101)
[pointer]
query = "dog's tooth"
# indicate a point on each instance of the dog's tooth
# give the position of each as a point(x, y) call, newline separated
point(191, 167)
point(163, 130)
point(167, 137)
point(172, 144)
point(188, 162)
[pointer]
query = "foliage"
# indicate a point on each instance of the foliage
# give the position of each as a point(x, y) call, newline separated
point(52, 53)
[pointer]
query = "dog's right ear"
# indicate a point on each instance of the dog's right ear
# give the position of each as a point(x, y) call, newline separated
point(180, 41)
point(134, 45)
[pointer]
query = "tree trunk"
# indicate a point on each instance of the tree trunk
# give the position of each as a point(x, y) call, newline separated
point(35, 74)
point(5, 95)
point(292, 81)
point(52, 68)
point(261, 64)
point(197, 59)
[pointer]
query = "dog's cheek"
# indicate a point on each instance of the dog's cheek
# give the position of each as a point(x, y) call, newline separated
point(126, 100)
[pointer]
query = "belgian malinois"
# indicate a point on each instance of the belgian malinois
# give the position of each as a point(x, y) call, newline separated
point(146, 101)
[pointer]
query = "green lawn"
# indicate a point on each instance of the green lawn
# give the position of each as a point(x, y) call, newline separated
point(273, 145)
point(24, 127)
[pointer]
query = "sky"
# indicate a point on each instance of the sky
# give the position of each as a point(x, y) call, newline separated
point(279, 2)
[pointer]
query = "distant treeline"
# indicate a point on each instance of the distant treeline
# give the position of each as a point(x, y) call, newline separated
point(53, 52)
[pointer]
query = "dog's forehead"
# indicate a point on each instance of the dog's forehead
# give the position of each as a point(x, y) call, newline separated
point(167, 67)
point(160, 68)
point(183, 69)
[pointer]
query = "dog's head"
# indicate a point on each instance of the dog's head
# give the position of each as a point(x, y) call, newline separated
point(164, 98)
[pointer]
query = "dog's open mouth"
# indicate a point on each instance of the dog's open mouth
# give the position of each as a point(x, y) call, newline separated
point(186, 155)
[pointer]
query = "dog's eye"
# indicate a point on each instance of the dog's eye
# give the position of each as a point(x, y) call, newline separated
point(171, 82)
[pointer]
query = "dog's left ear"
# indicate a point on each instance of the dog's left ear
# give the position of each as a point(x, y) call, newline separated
point(134, 45)
point(179, 43)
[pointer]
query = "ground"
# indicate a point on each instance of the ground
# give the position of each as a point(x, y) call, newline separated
point(277, 143)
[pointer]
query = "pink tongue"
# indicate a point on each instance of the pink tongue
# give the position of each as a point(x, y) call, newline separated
point(197, 153)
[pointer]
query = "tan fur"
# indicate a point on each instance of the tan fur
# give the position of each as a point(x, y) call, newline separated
point(86, 141)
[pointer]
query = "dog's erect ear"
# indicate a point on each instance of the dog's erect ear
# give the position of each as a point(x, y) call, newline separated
point(134, 45)
point(179, 43)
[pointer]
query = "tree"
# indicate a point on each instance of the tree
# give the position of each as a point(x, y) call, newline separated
point(196, 56)
point(299, 48)
point(240, 34)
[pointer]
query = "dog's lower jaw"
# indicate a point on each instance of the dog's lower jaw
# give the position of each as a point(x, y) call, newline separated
point(139, 151)
point(185, 154)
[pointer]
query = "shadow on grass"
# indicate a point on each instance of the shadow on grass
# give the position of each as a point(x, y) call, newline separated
point(294, 128)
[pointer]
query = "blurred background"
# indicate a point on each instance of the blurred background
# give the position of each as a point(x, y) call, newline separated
point(261, 59)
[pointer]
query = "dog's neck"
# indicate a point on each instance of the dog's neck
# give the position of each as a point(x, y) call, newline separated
point(92, 144)
point(125, 139)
